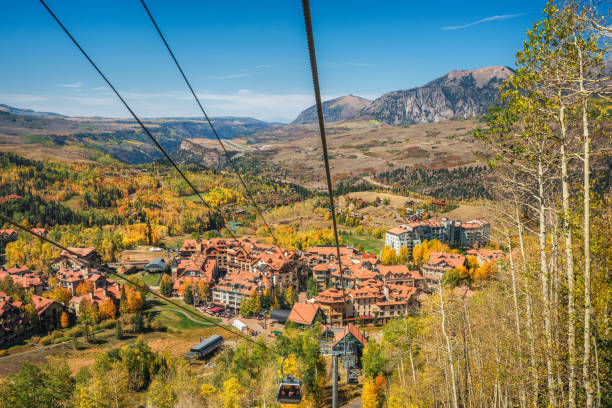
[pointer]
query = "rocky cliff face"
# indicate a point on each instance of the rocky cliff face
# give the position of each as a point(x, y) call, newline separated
point(334, 110)
point(457, 94)
point(192, 152)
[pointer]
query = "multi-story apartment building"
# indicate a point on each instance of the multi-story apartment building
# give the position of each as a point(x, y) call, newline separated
point(335, 306)
point(450, 232)
point(232, 288)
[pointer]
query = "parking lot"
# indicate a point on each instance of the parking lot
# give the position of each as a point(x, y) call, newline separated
point(255, 325)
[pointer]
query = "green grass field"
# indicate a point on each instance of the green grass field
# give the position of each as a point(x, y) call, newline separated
point(151, 279)
point(176, 320)
point(369, 244)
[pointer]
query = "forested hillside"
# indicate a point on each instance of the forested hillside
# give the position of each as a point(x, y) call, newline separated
point(456, 183)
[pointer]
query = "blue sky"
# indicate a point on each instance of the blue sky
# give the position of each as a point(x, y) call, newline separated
point(244, 58)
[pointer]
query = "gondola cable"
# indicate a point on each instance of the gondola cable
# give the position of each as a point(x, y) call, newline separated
point(317, 92)
point(146, 130)
point(149, 134)
point(285, 382)
point(223, 148)
point(205, 115)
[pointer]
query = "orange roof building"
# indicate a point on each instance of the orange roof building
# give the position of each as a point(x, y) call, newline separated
point(305, 314)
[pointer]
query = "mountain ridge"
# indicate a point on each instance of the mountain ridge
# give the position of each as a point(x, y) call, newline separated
point(459, 93)
point(334, 110)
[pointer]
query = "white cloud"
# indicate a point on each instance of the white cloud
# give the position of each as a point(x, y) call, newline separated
point(259, 105)
point(484, 20)
point(244, 102)
point(92, 100)
point(243, 72)
point(73, 85)
point(231, 76)
point(11, 99)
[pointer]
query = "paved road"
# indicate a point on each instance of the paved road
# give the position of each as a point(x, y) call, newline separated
point(356, 403)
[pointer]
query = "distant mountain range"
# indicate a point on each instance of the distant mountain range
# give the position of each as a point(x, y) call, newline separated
point(25, 129)
point(465, 94)
point(27, 112)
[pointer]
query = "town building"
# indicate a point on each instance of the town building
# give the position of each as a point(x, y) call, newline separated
point(49, 313)
point(455, 233)
point(484, 255)
point(335, 306)
point(440, 262)
point(156, 266)
point(305, 314)
point(232, 288)
point(14, 324)
point(67, 260)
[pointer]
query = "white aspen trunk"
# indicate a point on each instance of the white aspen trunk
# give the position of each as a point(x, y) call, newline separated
point(586, 362)
point(531, 336)
point(522, 395)
point(597, 376)
point(569, 266)
point(476, 357)
point(409, 342)
point(403, 376)
point(412, 366)
point(588, 386)
point(449, 351)
point(544, 276)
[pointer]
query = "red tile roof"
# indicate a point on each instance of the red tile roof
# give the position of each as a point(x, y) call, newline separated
point(79, 251)
point(304, 313)
point(441, 258)
point(397, 230)
point(331, 295)
point(41, 304)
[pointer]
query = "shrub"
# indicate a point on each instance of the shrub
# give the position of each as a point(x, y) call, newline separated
point(108, 324)
point(158, 325)
point(76, 331)
point(45, 341)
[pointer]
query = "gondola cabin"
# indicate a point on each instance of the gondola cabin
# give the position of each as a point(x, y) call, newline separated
point(289, 391)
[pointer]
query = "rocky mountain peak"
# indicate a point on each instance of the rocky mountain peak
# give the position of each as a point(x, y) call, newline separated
point(460, 93)
point(334, 110)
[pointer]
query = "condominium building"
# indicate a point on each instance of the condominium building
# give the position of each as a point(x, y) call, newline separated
point(466, 234)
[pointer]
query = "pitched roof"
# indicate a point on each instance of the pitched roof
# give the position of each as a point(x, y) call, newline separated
point(79, 251)
point(352, 329)
point(321, 267)
point(330, 295)
point(188, 280)
point(41, 304)
point(28, 280)
point(397, 230)
point(441, 258)
point(304, 313)
point(18, 270)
